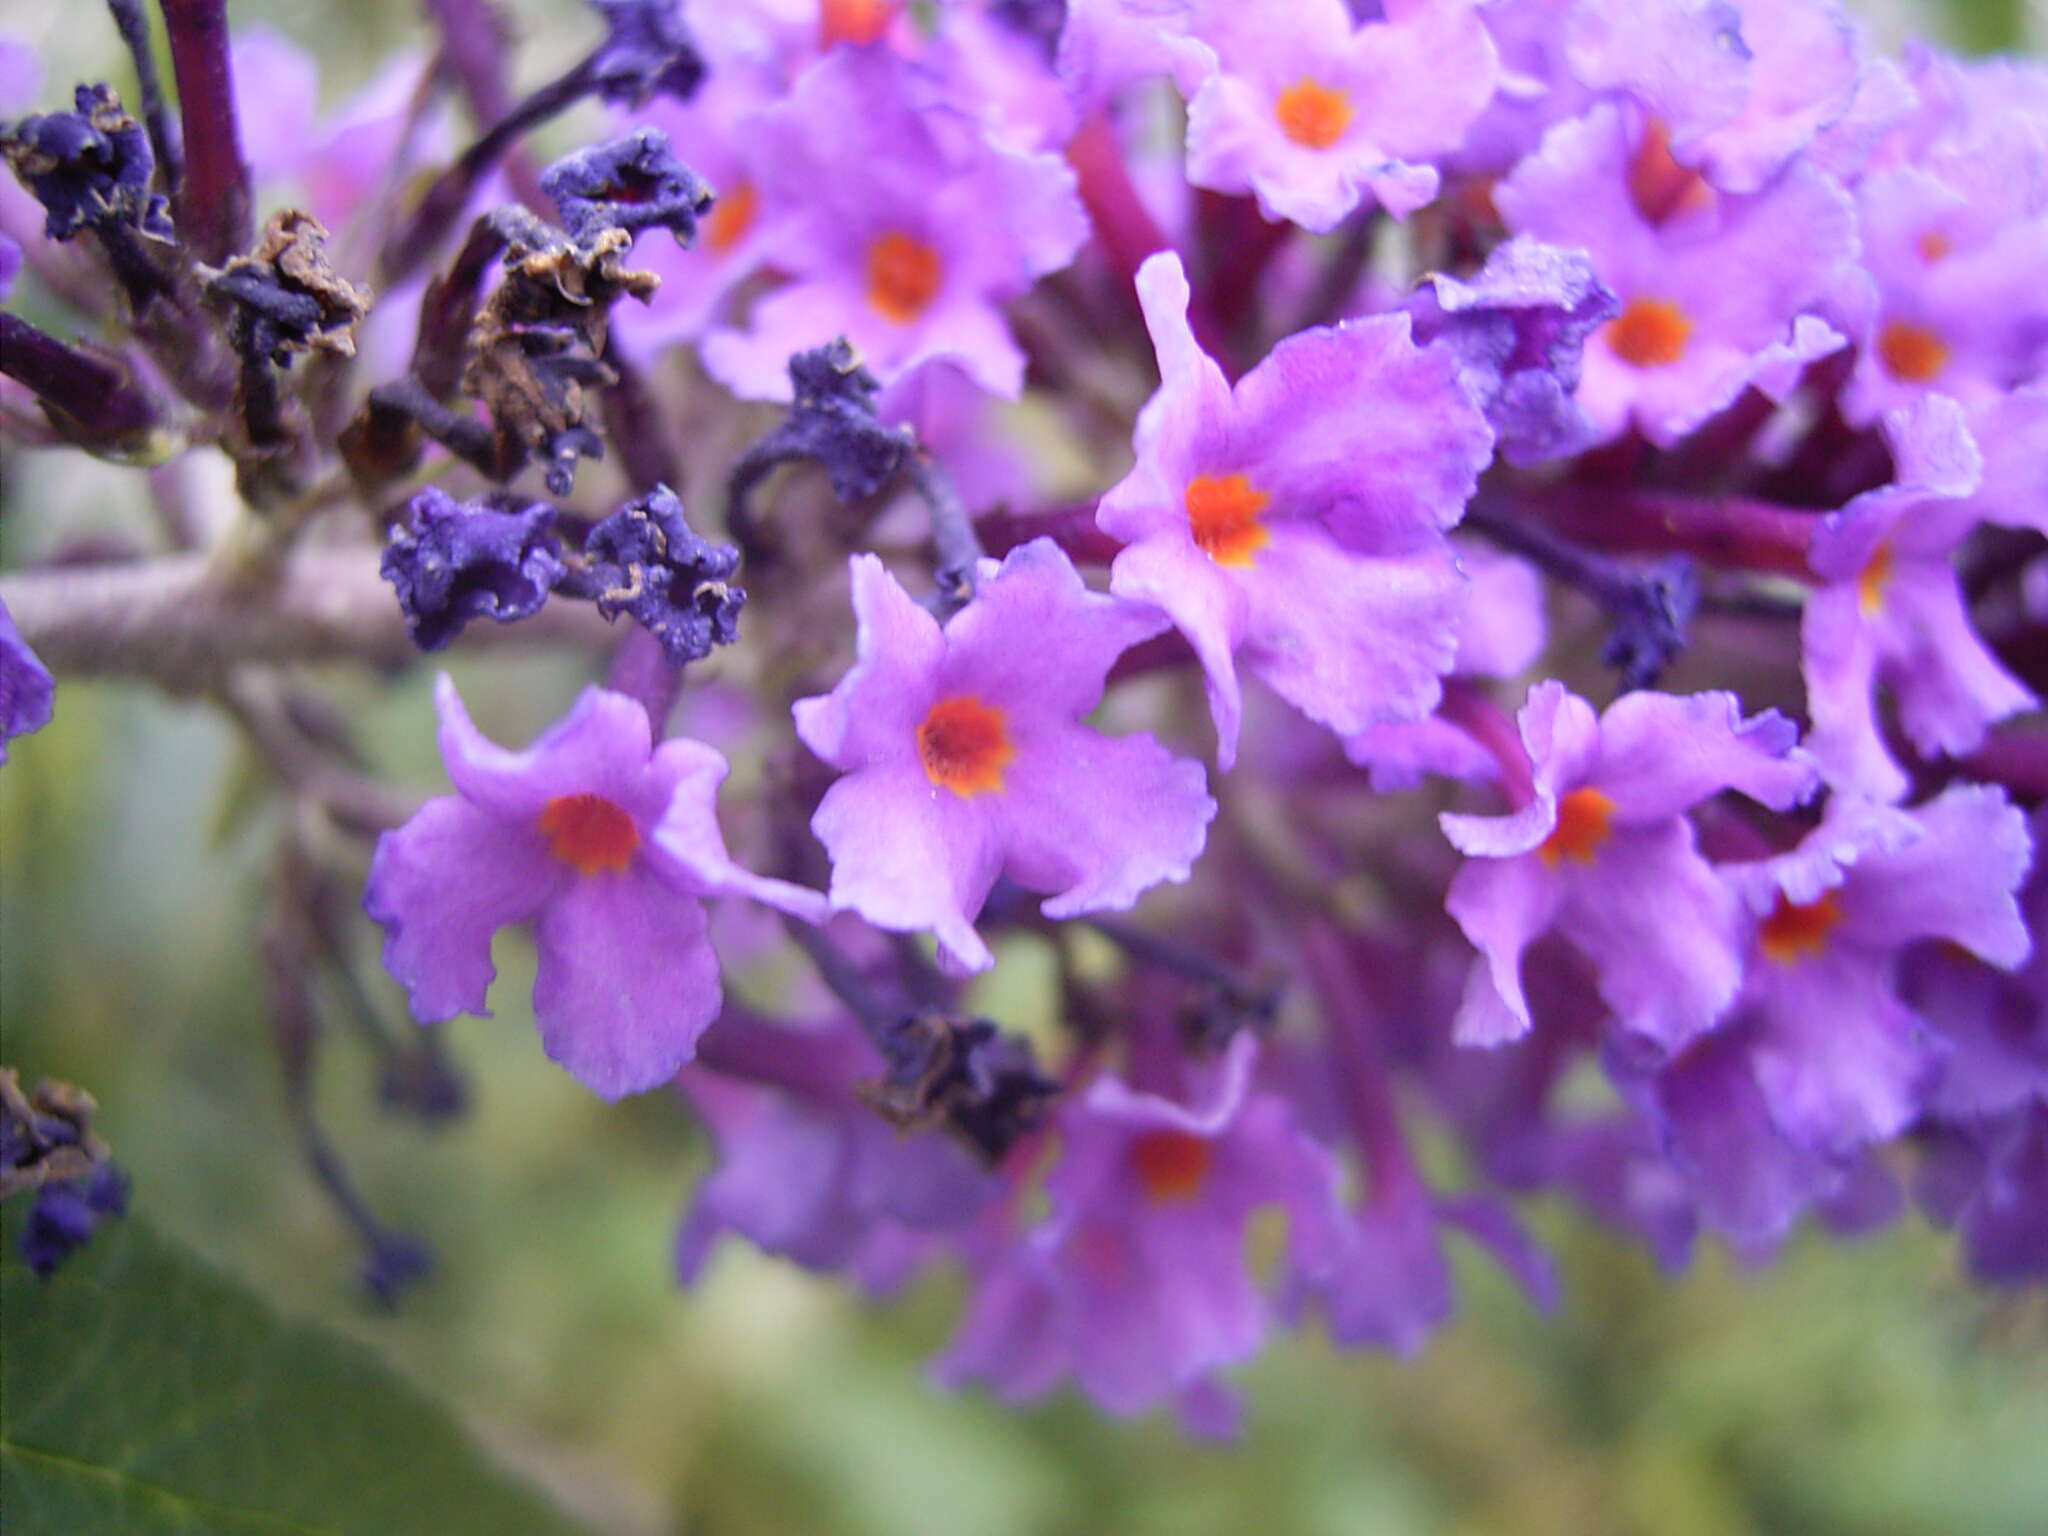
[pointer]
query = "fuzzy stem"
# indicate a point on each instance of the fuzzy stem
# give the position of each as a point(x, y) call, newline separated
point(1361, 1074)
point(185, 623)
point(213, 199)
point(133, 26)
point(956, 547)
point(1728, 531)
point(473, 50)
point(90, 398)
point(812, 1064)
point(1478, 716)
point(848, 982)
point(436, 212)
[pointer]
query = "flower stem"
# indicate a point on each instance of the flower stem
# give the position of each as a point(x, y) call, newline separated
point(213, 198)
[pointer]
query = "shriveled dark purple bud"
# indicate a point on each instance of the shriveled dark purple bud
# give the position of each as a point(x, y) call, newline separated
point(89, 168)
point(536, 351)
point(26, 687)
point(564, 449)
point(644, 561)
point(66, 1215)
point(833, 421)
point(1648, 623)
point(1518, 331)
point(963, 1076)
point(450, 562)
point(47, 1145)
point(394, 1262)
point(633, 183)
point(647, 52)
point(285, 297)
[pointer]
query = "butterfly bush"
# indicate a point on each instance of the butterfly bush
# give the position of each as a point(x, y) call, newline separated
point(1464, 583)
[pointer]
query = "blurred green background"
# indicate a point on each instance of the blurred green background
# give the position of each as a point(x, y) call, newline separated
point(1852, 1388)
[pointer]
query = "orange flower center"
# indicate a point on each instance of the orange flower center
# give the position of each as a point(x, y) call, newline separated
point(589, 834)
point(1223, 515)
point(903, 277)
point(1312, 115)
point(1657, 184)
point(964, 746)
point(859, 22)
point(1649, 333)
point(1912, 354)
point(1170, 1165)
point(731, 217)
point(1797, 931)
point(1871, 581)
point(1584, 818)
point(1933, 245)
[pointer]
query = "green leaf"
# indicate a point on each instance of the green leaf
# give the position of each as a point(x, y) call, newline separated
point(143, 1392)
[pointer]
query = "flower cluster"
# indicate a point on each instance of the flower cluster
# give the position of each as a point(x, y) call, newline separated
point(1277, 534)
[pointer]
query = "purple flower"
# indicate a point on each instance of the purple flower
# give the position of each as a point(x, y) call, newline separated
point(1106, 45)
point(26, 687)
point(965, 757)
point(1821, 1058)
point(1391, 1286)
point(1954, 226)
point(1137, 1284)
point(1298, 519)
point(1993, 1024)
point(1687, 339)
point(1604, 852)
point(904, 231)
point(608, 845)
point(1892, 611)
point(1804, 67)
point(1990, 1179)
point(450, 562)
point(1745, 1178)
point(1685, 60)
point(1518, 331)
point(1312, 112)
point(808, 1171)
point(1840, 1058)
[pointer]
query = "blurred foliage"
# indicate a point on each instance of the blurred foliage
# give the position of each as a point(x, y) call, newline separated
point(148, 1395)
point(1852, 1388)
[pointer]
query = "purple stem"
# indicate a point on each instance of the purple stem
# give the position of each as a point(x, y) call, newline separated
point(814, 1064)
point(1360, 1071)
point(1728, 531)
point(2016, 759)
point(1474, 712)
point(443, 202)
point(133, 25)
point(99, 405)
point(641, 671)
point(213, 201)
point(473, 47)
